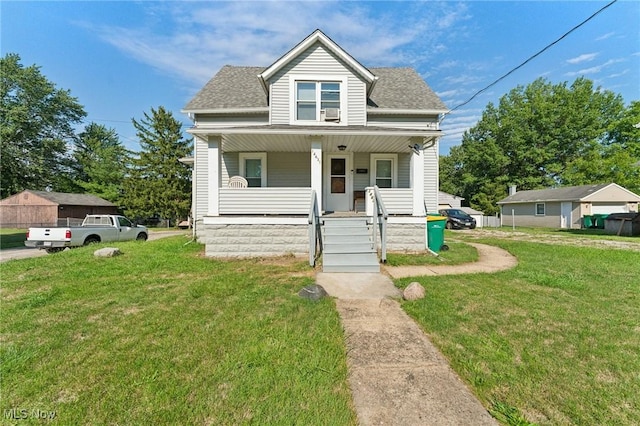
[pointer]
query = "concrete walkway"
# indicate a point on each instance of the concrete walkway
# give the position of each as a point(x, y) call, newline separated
point(396, 375)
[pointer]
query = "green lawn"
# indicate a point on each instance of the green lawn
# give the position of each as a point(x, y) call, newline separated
point(11, 237)
point(457, 254)
point(554, 341)
point(162, 335)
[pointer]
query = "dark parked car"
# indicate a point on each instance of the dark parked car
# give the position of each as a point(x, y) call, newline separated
point(458, 219)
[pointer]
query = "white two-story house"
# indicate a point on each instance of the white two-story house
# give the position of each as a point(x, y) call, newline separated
point(281, 150)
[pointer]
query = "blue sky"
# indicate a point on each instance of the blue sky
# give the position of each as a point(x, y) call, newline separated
point(122, 58)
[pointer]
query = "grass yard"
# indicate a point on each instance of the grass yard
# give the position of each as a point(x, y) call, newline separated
point(457, 254)
point(161, 335)
point(12, 237)
point(554, 341)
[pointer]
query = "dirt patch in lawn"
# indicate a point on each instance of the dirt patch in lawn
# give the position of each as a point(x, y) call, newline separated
point(557, 239)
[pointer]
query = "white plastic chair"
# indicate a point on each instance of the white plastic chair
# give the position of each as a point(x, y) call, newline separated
point(238, 182)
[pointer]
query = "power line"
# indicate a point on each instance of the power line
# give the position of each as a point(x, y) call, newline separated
point(529, 59)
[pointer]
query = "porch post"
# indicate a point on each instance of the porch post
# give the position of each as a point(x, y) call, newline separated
point(316, 168)
point(417, 182)
point(213, 179)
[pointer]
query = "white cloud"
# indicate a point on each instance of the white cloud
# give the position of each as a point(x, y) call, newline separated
point(605, 36)
point(594, 70)
point(582, 58)
point(193, 43)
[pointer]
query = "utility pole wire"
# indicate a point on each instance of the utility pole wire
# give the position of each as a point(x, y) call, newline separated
point(528, 60)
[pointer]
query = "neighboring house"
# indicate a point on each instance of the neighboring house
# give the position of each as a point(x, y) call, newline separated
point(477, 215)
point(449, 201)
point(315, 128)
point(42, 208)
point(565, 207)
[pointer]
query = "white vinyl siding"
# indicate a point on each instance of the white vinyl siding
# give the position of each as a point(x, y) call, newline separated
point(265, 201)
point(289, 169)
point(397, 201)
point(361, 160)
point(312, 63)
point(201, 178)
point(212, 122)
point(404, 122)
point(431, 175)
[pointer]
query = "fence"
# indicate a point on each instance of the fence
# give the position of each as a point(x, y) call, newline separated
point(491, 221)
point(64, 222)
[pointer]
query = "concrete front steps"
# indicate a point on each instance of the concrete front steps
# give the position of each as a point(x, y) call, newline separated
point(347, 245)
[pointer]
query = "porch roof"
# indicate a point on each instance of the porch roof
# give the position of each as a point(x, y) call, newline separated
point(286, 138)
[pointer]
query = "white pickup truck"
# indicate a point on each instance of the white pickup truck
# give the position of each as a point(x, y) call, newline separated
point(94, 229)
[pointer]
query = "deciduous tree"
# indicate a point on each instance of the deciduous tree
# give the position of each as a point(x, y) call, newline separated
point(543, 135)
point(36, 125)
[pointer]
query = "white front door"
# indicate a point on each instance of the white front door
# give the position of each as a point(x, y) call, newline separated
point(337, 183)
point(565, 215)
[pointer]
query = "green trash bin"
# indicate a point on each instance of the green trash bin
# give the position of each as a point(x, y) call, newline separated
point(587, 221)
point(598, 220)
point(435, 232)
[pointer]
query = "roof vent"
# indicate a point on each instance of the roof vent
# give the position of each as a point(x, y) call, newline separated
point(331, 114)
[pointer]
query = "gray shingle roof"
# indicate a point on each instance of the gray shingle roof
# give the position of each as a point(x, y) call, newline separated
point(239, 87)
point(568, 193)
point(403, 88)
point(65, 199)
point(232, 87)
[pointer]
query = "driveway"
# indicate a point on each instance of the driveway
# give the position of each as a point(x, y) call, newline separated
point(27, 252)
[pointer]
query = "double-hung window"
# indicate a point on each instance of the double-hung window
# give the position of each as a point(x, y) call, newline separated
point(253, 166)
point(384, 170)
point(313, 97)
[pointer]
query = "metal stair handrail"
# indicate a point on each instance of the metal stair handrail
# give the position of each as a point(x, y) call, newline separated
point(315, 242)
point(379, 218)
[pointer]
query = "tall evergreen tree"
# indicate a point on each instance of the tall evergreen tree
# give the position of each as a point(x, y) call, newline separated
point(99, 162)
point(36, 124)
point(157, 183)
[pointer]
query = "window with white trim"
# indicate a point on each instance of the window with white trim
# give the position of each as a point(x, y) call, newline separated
point(311, 94)
point(540, 207)
point(253, 167)
point(384, 171)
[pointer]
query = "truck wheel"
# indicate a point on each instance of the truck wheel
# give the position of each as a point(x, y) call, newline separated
point(141, 237)
point(91, 240)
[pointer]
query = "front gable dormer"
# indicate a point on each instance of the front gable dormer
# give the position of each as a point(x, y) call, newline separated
point(317, 83)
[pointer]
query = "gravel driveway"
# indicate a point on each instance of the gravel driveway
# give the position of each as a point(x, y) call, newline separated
point(27, 252)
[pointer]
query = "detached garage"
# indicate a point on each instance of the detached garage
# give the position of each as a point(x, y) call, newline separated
point(565, 207)
point(42, 208)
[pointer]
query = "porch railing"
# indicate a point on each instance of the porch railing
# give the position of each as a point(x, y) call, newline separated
point(397, 200)
point(379, 218)
point(315, 240)
point(250, 201)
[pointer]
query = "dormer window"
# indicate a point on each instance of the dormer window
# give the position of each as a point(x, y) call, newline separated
point(318, 100)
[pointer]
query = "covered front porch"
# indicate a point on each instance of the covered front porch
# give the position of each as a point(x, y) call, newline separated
point(284, 165)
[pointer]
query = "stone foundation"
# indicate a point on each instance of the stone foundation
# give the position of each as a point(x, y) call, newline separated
point(254, 240)
point(259, 240)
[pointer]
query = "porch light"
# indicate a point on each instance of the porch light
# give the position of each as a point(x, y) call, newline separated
point(342, 147)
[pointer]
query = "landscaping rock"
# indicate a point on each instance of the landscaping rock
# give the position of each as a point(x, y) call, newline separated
point(107, 252)
point(414, 291)
point(312, 292)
